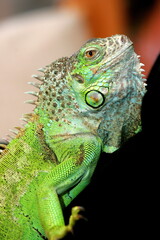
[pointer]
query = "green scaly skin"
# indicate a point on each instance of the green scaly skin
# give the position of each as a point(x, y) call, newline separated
point(87, 103)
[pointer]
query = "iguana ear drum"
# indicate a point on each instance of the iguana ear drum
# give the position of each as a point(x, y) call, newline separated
point(94, 99)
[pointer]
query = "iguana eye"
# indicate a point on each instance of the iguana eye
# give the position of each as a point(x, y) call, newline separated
point(94, 99)
point(90, 53)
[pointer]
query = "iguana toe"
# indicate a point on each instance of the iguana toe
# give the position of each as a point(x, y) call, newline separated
point(57, 233)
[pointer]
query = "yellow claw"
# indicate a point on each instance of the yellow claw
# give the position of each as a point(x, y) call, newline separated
point(57, 233)
point(75, 216)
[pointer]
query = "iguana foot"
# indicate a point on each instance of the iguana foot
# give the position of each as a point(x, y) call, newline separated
point(56, 233)
point(75, 216)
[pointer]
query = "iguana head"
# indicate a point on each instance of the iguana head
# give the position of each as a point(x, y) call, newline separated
point(101, 83)
point(107, 81)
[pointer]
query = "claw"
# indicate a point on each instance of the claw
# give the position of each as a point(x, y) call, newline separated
point(57, 233)
point(75, 216)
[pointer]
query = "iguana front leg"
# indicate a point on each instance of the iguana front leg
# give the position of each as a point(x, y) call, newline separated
point(71, 175)
point(71, 194)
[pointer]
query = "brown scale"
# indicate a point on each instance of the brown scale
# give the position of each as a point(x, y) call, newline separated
point(49, 154)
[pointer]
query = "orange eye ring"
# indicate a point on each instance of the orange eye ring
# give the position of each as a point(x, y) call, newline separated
point(90, 53)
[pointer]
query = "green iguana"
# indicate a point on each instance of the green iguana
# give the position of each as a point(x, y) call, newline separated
point(87, 103)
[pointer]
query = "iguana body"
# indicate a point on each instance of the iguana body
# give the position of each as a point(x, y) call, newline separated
point(86, 104)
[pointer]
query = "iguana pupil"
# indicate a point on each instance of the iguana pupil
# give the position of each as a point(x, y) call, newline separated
point(90, 53)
